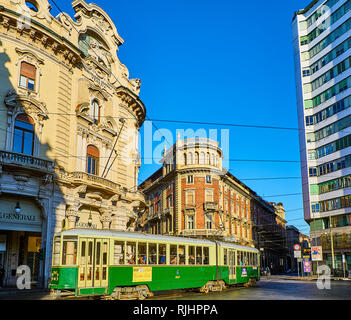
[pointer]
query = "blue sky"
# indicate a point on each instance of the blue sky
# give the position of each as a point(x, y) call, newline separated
point(224, 62)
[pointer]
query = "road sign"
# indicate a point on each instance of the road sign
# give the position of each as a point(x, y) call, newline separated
point(307, 265)
point(297, 254)
point(316, 253)
point(297, 247)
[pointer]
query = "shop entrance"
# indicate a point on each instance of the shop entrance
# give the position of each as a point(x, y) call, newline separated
point(21, 248)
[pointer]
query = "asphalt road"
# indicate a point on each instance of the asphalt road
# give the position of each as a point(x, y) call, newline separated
point(275, 288)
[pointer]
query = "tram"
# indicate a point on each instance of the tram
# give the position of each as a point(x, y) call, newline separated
point(130, 265)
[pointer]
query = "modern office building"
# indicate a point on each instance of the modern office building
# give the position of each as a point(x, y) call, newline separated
point(322, 53)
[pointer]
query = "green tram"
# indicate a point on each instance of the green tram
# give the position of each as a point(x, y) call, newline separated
point(127, 265)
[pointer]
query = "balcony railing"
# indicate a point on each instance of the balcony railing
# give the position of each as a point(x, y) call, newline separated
point(92, 179)
point(25, 161)
point(168, 211)
point(202, 232)
point(210, 206)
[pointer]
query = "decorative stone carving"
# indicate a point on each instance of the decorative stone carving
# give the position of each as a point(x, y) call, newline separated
point(72, 215)
point(106, 219)
point(43, 9)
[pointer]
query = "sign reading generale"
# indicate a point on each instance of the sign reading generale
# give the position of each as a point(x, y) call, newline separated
point(16, 216)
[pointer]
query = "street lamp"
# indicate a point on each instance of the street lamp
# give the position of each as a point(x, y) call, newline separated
point(90, 219)
point(18, 208)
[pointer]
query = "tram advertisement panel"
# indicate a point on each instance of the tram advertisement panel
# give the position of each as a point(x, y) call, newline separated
point(142, 274)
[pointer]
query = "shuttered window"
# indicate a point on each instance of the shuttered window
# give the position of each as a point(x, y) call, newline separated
point(92, 160)
point(27, 76)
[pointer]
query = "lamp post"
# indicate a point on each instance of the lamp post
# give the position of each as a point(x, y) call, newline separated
point(18, 208)
point(332, 244)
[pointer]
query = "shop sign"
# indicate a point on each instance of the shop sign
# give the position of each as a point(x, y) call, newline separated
point(297, 254)
point(29, 218)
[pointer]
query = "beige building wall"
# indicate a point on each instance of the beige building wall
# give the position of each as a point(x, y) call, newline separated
point(75, 63)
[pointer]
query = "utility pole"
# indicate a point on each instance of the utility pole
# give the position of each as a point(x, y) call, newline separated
point(332, 244)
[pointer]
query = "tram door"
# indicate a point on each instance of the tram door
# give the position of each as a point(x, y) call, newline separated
point(231, 264)
point(93, 263)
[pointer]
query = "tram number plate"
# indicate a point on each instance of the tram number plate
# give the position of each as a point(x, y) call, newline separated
point(142, 274)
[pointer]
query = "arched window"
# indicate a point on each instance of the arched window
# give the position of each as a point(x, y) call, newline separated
point(23, 140)
point(95, 111)
point(27, 76)
point(185, 159)
point(196, 158)
point(190, 158)
point(202, 158)
point(92, 160)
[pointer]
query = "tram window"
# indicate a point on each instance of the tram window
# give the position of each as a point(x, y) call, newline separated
point(181, 254)
point(173, 254)
point(98, 253)
point(141, 253)
point(225, 257)
point(191, 254)
point(162, 253)
point(69, 253)
point(83, 253)
point(90, 259)
point(198, 255)
point(245, 258)
point(104, 253)
point(57, 248)
point(131, 249)
point(118, 252)
point(152, 253)
point(255, 261)
point(240, 260)
point(206, 255)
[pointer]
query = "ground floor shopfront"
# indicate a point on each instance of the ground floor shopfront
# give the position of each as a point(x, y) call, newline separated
point(22, 227)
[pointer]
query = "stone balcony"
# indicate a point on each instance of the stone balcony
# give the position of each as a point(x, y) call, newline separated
point(168, 211)
point(211, 206)
point(19, 160)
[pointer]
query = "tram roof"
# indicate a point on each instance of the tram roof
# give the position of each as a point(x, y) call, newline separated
point(148, 237)
point(132, 235)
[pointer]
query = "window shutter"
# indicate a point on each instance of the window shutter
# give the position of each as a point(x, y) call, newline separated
point(28, 70)
point(92, 150)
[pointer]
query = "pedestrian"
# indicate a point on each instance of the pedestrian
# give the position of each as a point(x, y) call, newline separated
point(2, 275)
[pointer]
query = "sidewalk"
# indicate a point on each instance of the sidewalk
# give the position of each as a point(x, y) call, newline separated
point(8, 292)
point(306, 278)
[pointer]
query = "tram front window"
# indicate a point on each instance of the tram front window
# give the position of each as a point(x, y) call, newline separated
point(57, 249)
point(69, 252)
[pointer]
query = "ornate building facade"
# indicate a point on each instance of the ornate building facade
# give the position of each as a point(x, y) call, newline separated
point(69, 126)
point(192, 195)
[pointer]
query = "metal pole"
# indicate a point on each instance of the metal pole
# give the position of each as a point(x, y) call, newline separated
point(332, 245)
point(298, 271)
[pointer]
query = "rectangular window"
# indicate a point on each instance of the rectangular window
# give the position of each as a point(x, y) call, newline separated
point(69, 253)
point(142, 253)
point(131, 253)
point(173, 256)
point(209, 221)
point(190, 221)
point(162, 254)
point(57, 248)
point(27, 76)
point(206, 255)
point(190, 179)
point(208, 195)
point(118, 254)
point(199, 259)
point(191, 255)
point(152, 259)
point(190, 197)
point(208, 179)
point(181, 254)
